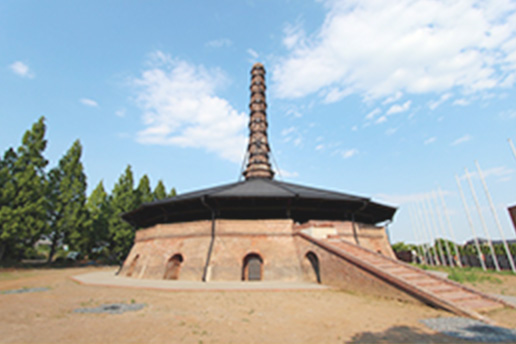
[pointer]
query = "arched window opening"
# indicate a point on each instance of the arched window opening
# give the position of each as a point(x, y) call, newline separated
point(314, 262)
point(252, 268)
point(131, 268)
point(173, 267)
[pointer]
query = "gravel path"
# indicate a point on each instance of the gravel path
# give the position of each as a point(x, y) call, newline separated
point(470, 329)
point(24, 290)
point(112, 308)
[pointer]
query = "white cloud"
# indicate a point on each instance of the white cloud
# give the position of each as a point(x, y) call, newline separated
point(391, 131)
point(379, 48)
point(294, 113)
point(286, 174)
point(373, 113)
point(120, 113)
point(461, 140)
point(430, 140)
point(288, 131)
point(397, 108)
point(220, 43)
point(393, 98)
point(181, 108)
point(293, 135)
point(88, 102)
point(253, 53)
point(436, 103)
point(293, 36)
point(21, 69)
point(336, 94)
point(381, 120)
point(461, 102)
point(319, 147)
point(346, 154)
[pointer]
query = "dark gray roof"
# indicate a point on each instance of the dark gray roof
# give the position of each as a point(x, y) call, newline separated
point(260, 198)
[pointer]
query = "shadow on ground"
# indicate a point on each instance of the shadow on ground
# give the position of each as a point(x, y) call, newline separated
point(403, 334)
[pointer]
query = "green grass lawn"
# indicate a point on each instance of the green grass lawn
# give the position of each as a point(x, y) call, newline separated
point(469, 274)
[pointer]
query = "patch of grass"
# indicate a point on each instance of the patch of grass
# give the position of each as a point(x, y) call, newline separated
point(469, 274)
point(461, 276)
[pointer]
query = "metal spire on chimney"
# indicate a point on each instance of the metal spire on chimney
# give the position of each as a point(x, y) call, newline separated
point(258, 165)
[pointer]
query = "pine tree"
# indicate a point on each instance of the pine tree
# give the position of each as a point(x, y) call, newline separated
point(124, 199)
point(97, 230)
point(160, 191)
point(143, 190)
point(7, 193)
point(24, 218)
point(172, 193)
point(67, 200)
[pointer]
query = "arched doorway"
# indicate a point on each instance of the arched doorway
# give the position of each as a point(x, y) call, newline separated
point(131, 268)
point(314, 262)
point(253, 268)
point(173, 267)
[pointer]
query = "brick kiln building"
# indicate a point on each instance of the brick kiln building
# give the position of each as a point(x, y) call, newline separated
point(256, 229)
point(264, 229)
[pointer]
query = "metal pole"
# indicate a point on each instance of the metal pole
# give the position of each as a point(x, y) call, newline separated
point(419, 219)
point(441, 224)
point(439, 245)
point(512, 148)
point(450, 227)
point(414, 231)
point(495, 215)
point(470, 221)
point(482, 221)
point(431, 232)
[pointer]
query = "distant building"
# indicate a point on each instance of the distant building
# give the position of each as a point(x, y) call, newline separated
point(512, 214)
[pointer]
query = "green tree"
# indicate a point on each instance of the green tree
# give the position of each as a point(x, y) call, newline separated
point(160, 191)
point(67, 200)
point(123, 199)
point(7, 194)
point(143, 190)
point(172, 193)
point(24, 218)
point(97, 229)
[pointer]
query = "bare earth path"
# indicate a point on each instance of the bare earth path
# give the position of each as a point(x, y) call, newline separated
point(310, 316)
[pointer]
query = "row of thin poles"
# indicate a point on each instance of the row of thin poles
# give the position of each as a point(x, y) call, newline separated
point(423, 215)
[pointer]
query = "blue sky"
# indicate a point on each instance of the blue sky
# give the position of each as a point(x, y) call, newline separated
point(385, 99)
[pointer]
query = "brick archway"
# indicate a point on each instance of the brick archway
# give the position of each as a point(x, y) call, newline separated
point(314, 262)
point(173, 267)
point(252, 269)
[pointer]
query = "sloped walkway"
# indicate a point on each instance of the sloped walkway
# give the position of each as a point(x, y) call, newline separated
point(109, 279)
point(429, 288)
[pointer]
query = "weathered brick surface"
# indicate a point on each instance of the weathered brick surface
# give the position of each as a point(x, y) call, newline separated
point(156, 245)
point(338, 272)
point(283, 254)
point(275, 246)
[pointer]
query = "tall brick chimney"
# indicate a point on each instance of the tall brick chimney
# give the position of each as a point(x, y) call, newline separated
point(258, 165)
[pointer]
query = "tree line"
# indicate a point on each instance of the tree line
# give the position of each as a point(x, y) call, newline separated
point(37, 203)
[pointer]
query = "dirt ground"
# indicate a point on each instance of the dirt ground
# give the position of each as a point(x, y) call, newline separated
point(327, 316)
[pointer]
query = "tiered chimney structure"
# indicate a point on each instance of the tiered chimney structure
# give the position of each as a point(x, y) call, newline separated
point(258, 165)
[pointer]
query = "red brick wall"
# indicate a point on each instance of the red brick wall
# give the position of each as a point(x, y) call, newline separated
point(283, 254)
point(338, 272)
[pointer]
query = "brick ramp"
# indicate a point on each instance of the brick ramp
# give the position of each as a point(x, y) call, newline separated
point(429, 288)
